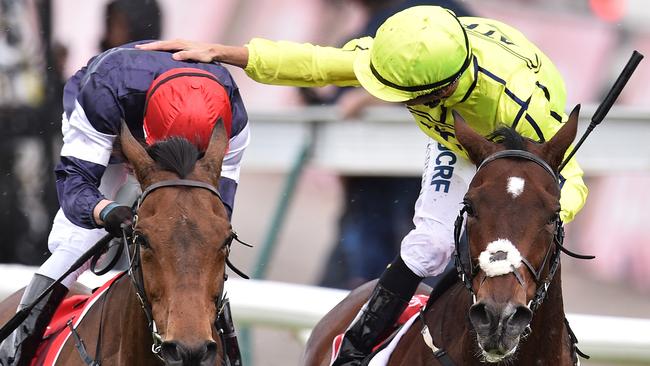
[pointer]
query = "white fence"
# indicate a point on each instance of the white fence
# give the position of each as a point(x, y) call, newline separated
point(297, 308)
point(386, 141)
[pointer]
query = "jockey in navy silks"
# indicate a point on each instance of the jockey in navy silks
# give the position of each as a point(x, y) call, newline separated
point(157, 97)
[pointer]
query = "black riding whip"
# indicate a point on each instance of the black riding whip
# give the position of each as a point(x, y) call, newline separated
point(22, 314)
point(610, 98)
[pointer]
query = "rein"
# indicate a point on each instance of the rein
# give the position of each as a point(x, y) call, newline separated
point(466, 271)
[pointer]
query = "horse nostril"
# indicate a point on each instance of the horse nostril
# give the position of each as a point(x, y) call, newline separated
point(173, 352)
point(479, 316)
point(177, 353)
point(519, 320)
point(209, 353)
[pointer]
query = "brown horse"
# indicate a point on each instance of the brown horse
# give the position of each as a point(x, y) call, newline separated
point(182, 237)
point(509, 265)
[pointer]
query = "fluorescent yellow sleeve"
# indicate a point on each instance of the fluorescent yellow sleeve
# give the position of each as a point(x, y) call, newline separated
point(307, 65)
point(537, 119)
point(574, 191)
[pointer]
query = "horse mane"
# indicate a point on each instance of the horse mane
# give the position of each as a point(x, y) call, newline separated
point(508, 137)
point(175, 154)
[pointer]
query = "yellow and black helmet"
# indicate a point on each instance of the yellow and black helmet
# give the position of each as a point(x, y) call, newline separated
point(415, 52)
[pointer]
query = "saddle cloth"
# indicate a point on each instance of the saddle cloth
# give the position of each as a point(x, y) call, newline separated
point(70, 311)
point(385, 346)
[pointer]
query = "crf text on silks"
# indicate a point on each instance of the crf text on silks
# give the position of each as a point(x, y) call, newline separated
point(444, 170)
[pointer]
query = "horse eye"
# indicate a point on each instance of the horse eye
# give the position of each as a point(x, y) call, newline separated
point(141, 240)
point(554, 218)
point(469, 208)
point(226, 244)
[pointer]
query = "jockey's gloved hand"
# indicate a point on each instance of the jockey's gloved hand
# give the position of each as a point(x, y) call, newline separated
point(114, 216)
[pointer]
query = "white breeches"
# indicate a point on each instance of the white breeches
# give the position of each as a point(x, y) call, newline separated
point(426, 250)
point(67, 241)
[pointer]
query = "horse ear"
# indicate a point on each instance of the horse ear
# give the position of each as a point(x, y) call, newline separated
point(477, 146)
point(213, 157)
point(556, 147)
point(142, 163)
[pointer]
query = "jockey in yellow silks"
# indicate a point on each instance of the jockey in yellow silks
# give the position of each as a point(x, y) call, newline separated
point(508, 80)
point(433, 62)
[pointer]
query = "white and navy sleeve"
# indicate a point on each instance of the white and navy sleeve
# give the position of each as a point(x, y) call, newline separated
point(86, 148)
point(239, 140)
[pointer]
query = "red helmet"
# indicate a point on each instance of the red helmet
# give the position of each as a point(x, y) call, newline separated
point(185, 102)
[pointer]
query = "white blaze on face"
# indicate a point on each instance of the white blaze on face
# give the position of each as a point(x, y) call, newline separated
point(499, 258)
point(515, 186)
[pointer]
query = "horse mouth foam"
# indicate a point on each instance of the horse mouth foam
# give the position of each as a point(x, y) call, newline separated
point(492, 357)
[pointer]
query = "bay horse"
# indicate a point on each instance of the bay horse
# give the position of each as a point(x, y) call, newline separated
point(163, 311)
point(508, 265)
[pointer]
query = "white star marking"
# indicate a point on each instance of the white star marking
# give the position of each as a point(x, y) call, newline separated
point(515, 186)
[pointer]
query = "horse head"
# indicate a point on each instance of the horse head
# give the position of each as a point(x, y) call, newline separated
point(183, 234)
point(512, 206)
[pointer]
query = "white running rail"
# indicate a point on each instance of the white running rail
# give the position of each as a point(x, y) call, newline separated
point(297, 308)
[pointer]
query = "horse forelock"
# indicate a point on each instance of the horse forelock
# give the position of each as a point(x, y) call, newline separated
point(509, 138)
point(175, 154)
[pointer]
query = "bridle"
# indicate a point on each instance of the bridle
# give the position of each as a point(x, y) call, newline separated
point(466, 271)
point(135, 266)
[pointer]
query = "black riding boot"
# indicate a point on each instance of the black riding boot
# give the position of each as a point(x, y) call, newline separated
point(226, 326)
point(19, 348)
point(387, 302)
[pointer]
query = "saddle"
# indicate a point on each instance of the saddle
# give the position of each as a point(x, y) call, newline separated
point(67, 316)
point(417, 303)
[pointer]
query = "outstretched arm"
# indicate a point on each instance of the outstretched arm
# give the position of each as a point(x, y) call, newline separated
point(276, 62)
point(200, 51)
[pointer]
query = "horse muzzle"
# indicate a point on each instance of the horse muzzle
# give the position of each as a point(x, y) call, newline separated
point(499, 328)
point(176, 353)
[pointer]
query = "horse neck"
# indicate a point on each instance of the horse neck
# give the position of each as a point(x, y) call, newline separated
point(448, 321)
point(127, 326)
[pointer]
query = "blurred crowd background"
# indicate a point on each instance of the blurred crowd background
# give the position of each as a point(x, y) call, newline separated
point(42, 42)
